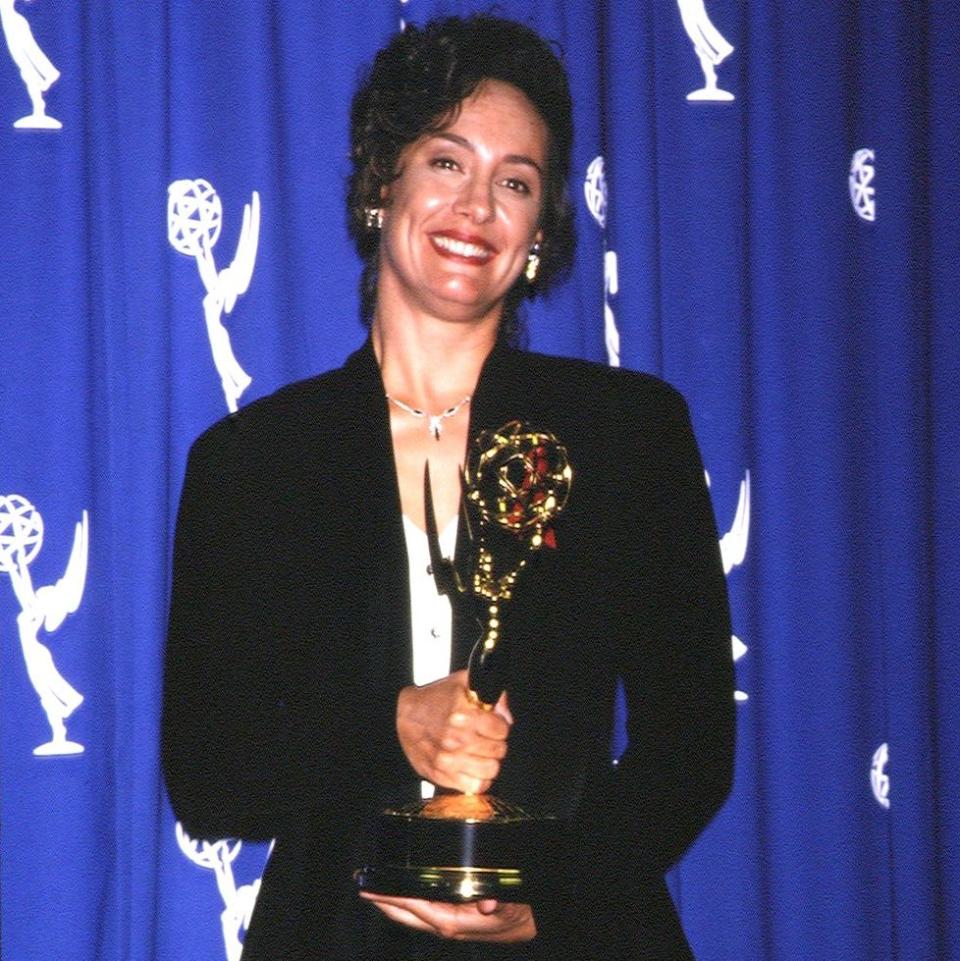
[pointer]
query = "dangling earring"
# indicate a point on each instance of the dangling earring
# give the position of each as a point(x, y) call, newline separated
point(374, 218)
point(533, 263)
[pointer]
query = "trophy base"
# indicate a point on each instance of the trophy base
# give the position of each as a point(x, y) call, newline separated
point(456, 885)
point(461, 848)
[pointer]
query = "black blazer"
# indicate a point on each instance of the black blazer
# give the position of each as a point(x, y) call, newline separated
point(290, 637)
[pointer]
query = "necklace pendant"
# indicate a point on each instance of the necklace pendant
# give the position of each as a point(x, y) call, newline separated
point(434, 421)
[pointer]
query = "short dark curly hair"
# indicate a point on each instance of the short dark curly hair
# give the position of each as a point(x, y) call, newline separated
point(415, 87)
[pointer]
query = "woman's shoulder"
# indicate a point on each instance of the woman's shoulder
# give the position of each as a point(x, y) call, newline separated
point(584, 381)
point(293, 411)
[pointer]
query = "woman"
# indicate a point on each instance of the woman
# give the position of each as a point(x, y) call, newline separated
point(300, 618)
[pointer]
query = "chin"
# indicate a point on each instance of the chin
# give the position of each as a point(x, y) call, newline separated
point(469, 300)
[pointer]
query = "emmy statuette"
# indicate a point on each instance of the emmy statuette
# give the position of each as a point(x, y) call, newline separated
point(463, 847)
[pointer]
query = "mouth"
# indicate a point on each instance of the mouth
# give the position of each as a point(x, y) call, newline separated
point(468, 250)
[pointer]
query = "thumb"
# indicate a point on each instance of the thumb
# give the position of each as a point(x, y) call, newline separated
point(503, 709)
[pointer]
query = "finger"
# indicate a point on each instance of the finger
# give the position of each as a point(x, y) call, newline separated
point(396, 904)
point(472, 724)
point(393, 899)
point(480, 747)
point(503, 709)
point(440, 917)
point(457, 781)
point(472, 785)
point(474, 743)
point(404, 917)
point(481, 768)
point(487, 906)
point(455, 922)
point(467, 765)
point(492, 725)
point(462, 783)
point(452, 740)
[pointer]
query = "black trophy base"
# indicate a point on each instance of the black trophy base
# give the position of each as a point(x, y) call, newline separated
point(461, 848)
point(457, 885)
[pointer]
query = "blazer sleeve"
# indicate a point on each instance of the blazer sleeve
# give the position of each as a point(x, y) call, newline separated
point(242, 754)
point(638, 816)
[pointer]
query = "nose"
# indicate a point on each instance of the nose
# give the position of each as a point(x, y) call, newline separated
point(475, 200)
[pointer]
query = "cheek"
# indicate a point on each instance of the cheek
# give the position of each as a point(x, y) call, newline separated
point(522, 227)
point(418, 196)
point(432, 202)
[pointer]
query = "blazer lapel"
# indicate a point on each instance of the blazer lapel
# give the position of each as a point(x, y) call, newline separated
point(376, 503)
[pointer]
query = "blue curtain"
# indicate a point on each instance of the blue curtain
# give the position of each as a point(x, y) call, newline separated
point(765, 198)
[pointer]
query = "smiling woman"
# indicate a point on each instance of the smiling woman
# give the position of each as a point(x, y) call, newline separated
point(310, 588)
point(463, 213)
point(417, 86)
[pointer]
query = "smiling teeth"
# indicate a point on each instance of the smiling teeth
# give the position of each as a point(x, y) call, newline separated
point(460, 248)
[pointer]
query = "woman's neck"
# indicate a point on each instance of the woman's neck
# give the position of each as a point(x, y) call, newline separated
point(430, 364)
point(430, 368)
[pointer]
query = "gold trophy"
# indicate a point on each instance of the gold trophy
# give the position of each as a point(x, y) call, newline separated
point(464, 847)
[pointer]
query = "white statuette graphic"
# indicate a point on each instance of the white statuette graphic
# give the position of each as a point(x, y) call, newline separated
point(595, 195)
point(595, 191)
point(739, 649)
point(611, 284)
point(733, 551)
point(218, 856)
point(21, 536)
point(862, 191)
point(879, 779)
point(194, 218)
point(710, 46)
point(733, 544)
point(36, 70)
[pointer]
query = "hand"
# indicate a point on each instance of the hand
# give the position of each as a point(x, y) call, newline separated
point(448, 739)
point(486, 920)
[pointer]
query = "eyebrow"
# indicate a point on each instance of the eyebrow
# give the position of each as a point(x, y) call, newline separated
point(513, 158)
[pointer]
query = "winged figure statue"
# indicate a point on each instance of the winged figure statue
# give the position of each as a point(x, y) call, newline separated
point(44, 608)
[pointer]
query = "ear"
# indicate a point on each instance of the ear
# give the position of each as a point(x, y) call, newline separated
point(538, 237)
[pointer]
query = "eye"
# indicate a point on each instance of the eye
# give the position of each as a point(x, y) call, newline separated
point(444, 163)
point(517, 185)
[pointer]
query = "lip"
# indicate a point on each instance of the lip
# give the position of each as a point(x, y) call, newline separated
point(462, 247)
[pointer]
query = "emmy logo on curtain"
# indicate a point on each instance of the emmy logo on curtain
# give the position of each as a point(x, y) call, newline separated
point(595, 195)
point(218, 856)
point(711, 48)
point(36, 71)
point(21, 536)
point(879, 779)
point(194, 219)
point(862, 191)
point(733, 551)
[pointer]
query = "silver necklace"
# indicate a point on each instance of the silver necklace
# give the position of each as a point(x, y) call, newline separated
point(434, 421)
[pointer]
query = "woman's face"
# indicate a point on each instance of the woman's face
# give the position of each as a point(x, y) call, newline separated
point(461, 217)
